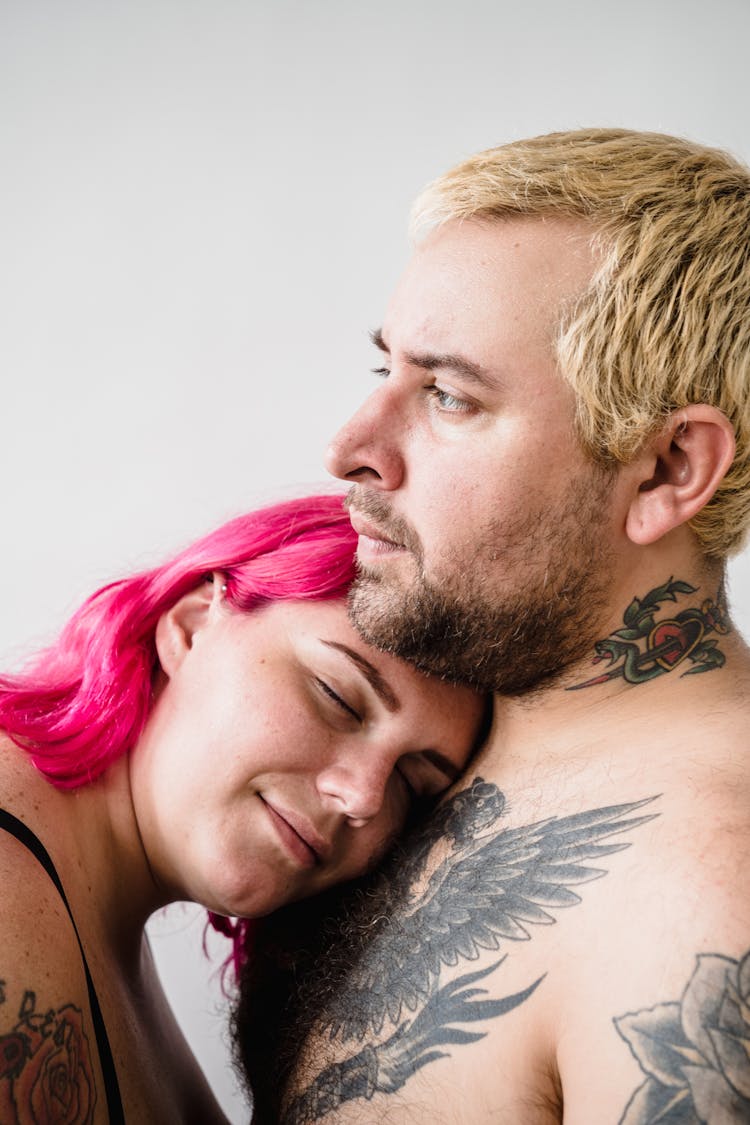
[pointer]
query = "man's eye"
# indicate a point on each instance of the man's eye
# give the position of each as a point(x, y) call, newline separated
point(449, 402)
point(336, 698)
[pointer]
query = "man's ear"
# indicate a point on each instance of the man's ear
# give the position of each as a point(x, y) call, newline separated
point(682, 468)
point(178, 628)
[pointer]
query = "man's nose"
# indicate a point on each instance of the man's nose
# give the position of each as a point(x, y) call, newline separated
point(367, 449)
point(356, 786)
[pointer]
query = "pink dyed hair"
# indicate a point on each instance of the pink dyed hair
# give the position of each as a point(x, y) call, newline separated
point(82, 703)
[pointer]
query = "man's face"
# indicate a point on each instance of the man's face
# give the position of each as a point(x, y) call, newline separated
point(483, 526)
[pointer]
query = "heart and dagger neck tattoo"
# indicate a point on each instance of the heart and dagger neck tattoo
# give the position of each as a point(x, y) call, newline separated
point(645, 648)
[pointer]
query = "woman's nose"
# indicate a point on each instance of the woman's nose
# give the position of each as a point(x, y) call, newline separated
point(367, 449)
point(356, 787)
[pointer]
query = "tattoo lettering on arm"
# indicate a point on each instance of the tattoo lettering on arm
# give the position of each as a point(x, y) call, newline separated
point(694, 1052)
point(464, 885)
point(46, 1072)
point(646, 648)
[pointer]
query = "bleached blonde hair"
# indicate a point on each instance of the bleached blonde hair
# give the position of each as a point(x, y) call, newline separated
point(665, 320)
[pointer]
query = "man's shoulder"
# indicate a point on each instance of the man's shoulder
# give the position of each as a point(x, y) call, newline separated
point(653, 859)
point(685, 844)
point(657, 949)
point(653, 1002)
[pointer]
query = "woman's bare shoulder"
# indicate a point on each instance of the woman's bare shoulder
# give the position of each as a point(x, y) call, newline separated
point(46, 1030)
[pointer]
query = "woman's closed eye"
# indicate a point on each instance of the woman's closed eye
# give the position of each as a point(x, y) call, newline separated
point(423, 779)
point(338, 701)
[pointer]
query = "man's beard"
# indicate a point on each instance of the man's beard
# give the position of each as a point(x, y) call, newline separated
point(511, 635)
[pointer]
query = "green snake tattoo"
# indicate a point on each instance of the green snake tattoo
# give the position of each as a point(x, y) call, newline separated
point(646, 648)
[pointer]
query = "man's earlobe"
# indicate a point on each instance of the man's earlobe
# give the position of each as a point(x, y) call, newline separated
point(683, 467)
point(179, 627)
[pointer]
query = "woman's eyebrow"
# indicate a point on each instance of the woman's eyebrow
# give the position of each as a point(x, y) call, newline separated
point(374, 678)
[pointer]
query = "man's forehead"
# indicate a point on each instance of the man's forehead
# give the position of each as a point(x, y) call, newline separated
point(538, 249)
point(471, 278)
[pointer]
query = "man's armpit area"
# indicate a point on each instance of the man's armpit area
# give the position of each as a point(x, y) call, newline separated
point(492, 1080)
point(46, 1070)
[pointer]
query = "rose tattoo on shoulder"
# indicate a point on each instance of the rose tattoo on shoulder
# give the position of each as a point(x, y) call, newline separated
point(694, 1052)
point(46, 1075)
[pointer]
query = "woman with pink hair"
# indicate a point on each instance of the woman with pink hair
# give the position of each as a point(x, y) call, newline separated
point(212, 730)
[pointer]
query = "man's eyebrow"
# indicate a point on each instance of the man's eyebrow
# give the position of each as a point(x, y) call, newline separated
point(376, 338)
point(371, 674)
point(441, 361)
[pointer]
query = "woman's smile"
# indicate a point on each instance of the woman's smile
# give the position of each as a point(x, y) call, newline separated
point(297, 836)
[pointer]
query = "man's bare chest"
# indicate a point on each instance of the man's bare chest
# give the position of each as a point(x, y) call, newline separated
point(446, 1007)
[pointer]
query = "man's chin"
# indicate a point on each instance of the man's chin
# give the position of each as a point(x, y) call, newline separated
point(376, 604)
point(397, 566)
point(406, 624)
point(496, 648)
point(405, 619)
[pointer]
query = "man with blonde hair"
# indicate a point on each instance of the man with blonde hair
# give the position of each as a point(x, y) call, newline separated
point(547, 484)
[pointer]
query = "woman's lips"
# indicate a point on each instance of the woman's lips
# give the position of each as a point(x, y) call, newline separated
point(298, 836)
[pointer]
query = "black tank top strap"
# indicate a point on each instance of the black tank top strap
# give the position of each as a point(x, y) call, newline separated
point(15, 827)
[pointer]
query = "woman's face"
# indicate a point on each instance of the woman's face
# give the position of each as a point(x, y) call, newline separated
point(283, 753)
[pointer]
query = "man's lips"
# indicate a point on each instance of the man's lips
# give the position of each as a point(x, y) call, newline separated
point(369, 531)
point(301, 839)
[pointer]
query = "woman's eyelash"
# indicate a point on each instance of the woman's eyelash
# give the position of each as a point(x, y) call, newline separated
point(341, 703)
point(382, 372)
point(413, 791)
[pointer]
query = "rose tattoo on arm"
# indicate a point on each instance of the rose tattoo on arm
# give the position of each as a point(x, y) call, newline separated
point(46, 1074)
point(694, 1052)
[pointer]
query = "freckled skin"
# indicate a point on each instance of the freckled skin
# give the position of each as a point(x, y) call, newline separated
point(235, 734)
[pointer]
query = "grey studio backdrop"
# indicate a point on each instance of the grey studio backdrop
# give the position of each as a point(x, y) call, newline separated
point(203, 211)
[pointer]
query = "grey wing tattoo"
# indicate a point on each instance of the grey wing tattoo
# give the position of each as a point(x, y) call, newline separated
point(437, 909)
point(493, 886)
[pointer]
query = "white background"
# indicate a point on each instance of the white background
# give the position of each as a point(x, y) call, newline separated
point(203, 210)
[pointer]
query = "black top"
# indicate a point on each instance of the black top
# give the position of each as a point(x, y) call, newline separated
point(10, 823)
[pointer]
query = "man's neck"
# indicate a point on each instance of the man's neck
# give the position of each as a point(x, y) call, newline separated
point(664, 655)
